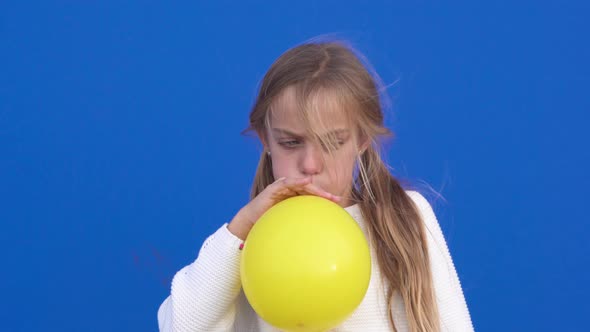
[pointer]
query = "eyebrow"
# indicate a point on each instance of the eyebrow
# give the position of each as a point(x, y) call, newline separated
point(290, 133)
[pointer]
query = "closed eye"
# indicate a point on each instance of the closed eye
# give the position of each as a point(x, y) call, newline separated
point(289, 144)
point(335, 145)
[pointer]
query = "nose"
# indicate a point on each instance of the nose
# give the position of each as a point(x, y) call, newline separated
point(311, 162)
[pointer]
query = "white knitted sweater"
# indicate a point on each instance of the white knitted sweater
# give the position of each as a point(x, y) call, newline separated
point(206, 295)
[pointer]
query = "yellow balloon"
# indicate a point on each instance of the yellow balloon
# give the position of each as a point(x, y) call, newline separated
point(305, 265)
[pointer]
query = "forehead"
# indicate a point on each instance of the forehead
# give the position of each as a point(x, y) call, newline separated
point(321, 112)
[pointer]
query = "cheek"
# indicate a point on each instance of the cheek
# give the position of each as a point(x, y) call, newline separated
point(283, 166)
point(342, 170)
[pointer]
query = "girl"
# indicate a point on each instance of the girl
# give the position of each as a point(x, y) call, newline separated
point(318, 115)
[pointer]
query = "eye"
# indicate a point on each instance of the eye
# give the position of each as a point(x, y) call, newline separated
point(335, 145)
point(289, 144)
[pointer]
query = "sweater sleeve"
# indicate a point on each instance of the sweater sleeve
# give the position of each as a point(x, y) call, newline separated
point(452, 307)
point(203, 294)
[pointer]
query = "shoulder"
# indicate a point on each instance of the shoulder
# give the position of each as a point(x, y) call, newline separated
point(434, 234)
point(423, 206)
point(452, 307)
point(440, 256)
point(417, 197)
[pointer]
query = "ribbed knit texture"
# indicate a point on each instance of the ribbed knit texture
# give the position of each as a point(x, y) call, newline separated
point(206, 295)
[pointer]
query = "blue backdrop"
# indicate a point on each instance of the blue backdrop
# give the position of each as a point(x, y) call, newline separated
point(120, 145)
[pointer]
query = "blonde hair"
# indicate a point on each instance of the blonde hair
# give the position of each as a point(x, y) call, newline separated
point(395, 228)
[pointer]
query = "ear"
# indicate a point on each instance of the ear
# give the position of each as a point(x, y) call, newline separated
point(365, 143)
point(263, 140)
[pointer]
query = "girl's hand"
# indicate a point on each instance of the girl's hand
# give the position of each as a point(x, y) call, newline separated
point(277, 191)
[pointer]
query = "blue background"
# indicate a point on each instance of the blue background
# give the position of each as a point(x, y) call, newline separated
point(120, 145)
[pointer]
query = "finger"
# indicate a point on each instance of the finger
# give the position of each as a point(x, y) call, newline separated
point(304, 185)
point(290, 182)
point(298, 185)
point(295, 182)
point(315, 190)
point(279, 180)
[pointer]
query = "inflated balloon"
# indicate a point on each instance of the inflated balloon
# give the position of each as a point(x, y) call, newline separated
point(305, 265)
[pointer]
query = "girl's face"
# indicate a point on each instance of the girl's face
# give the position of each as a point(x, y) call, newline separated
point(295, 155)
